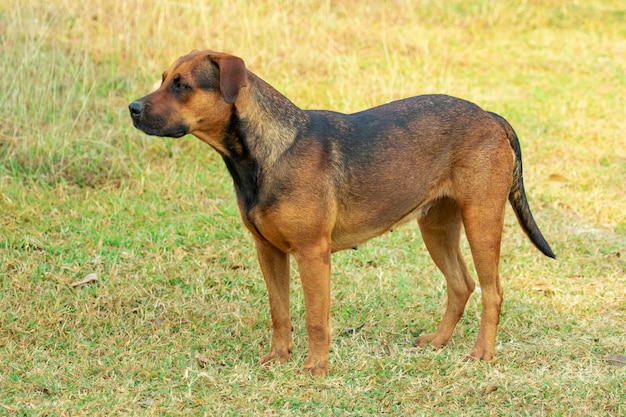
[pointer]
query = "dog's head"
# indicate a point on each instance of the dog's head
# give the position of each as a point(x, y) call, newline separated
point(196, 95)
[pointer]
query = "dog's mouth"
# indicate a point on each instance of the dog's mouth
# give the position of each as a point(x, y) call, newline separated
point(176, 131)
point(177, 134)
point(154, 124)
point(168, 133)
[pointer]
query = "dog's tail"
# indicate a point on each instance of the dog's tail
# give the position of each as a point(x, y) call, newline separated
point(517, 195)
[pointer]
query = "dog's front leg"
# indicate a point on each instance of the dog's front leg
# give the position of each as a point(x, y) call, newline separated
point(275, 268)
point(314, 267)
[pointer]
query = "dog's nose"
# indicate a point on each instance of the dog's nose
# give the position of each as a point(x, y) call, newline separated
point(135, 108)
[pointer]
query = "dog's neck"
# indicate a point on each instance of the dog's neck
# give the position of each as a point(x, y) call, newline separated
point(262, 126)
point(271, 120)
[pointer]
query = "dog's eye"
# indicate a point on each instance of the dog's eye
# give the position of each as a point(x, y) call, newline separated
point(180, 85)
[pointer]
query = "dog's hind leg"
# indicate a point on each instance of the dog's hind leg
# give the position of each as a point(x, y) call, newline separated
point(275, 267)
point(483, 226)
point(441, 229)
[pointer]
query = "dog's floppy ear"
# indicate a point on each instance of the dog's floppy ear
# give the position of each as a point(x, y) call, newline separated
point(232, 75)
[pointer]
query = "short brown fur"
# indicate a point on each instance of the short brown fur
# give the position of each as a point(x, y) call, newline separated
point(310, 183)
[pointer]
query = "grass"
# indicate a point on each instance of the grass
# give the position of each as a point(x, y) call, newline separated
point(178, 317)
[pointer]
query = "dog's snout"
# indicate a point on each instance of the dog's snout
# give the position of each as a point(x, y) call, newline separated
point(135, 108)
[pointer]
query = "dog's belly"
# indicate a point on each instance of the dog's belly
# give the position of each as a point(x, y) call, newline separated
point(350, 232)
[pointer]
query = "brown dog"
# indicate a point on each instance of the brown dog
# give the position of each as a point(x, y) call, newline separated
point(310, 183)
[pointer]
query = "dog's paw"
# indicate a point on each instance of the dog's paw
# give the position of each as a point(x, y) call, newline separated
point(316, 367)
point(480, 352)
point(282, 355)
point(423, 340)
point(430, 339)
